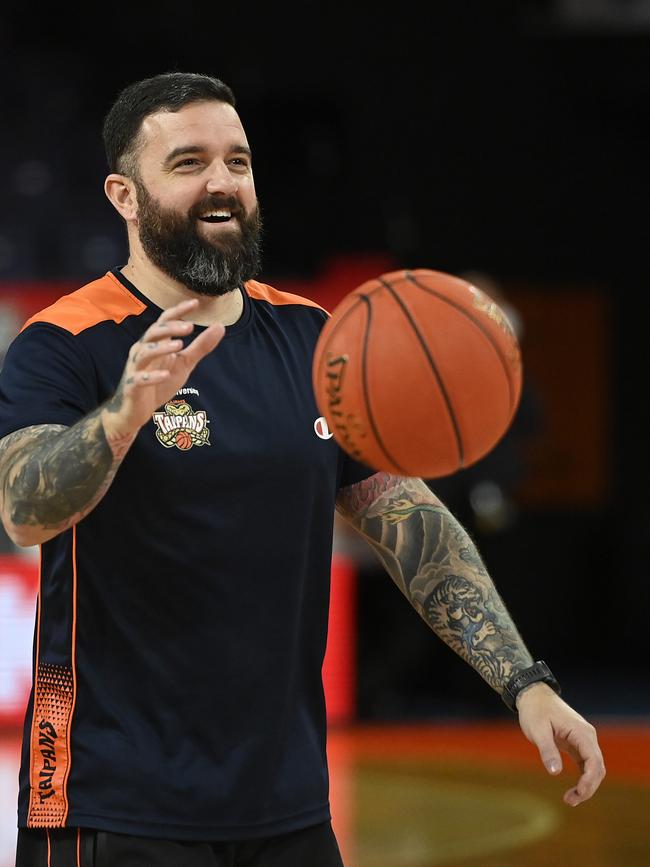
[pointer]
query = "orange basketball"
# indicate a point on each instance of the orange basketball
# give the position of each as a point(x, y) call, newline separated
point(184, 440)
point(417, 373)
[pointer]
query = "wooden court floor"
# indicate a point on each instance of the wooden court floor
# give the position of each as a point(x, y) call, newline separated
point(419, 796)
point(460, 794)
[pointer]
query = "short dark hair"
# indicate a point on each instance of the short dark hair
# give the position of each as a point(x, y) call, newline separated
point(169, 91)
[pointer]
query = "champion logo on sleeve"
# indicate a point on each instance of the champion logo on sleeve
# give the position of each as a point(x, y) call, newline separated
point(321, 428)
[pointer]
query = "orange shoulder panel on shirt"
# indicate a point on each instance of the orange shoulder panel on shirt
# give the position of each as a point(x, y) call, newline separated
point(103, 299)
point(264, 292)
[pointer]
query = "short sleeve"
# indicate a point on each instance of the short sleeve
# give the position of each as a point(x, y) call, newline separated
point(351, 471)
point(47, 378)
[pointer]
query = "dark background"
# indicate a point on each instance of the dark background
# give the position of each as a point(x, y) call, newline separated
point(508, 138)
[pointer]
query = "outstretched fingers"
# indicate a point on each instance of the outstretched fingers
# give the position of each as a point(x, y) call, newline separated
point(170, 323)
point(167, 330)
point(143, 354)
point(178, 310)
point(162, 343)
point(147, 377)
point(203, 344)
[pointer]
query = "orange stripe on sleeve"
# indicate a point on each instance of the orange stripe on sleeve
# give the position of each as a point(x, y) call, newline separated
point(100, 301)
point(264, 292)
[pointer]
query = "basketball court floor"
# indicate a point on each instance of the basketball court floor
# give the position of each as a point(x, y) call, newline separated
point(460, 794)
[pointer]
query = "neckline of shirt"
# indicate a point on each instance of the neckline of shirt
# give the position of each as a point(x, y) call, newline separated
point(243, 322)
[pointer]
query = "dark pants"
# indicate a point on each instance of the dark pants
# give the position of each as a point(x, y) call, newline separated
point(83, 847)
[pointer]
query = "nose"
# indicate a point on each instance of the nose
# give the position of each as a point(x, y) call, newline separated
point(221, 180)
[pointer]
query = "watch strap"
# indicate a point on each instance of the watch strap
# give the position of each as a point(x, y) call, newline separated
point(538, 672)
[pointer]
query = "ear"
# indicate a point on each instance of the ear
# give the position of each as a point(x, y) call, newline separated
point(120, 192)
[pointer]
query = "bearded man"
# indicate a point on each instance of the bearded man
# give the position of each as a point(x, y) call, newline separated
point(158, 442)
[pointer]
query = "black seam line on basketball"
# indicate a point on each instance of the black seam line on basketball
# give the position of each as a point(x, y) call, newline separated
point(366, 392)
point(436, 372)
point(408, 276)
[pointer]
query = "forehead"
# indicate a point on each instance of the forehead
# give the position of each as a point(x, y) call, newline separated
point(207, 124)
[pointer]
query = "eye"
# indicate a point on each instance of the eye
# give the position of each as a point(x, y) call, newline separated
point(188, 162)
point(240, 162)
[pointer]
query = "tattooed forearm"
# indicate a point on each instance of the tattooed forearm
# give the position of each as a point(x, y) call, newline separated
point(436, 565)
point(52, 476)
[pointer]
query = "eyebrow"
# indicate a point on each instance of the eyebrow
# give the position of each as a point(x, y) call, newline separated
point(196, 149)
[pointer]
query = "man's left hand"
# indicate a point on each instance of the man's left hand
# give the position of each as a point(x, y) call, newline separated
point(551, 725)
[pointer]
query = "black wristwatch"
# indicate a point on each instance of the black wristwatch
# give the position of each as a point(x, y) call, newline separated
point(538, 672)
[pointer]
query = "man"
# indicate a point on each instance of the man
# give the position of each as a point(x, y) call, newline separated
point(158, 442)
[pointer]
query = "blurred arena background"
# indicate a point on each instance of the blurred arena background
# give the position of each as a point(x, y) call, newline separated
point(503, 141)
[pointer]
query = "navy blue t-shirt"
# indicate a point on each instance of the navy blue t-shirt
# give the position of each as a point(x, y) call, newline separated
point(181, 625)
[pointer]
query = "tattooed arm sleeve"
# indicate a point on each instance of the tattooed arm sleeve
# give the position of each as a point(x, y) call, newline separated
point(436, 565)
point(52, 476)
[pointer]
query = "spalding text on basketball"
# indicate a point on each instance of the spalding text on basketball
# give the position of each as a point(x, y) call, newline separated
point(348, 428)
point(487, 306)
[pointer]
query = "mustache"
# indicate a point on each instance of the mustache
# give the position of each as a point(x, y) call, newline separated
point(214, 203)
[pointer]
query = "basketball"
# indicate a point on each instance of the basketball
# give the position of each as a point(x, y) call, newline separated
point(417, 373)
point(184, 440)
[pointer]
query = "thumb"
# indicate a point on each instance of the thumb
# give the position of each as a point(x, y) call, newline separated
point(552, 761)
point(550, 755)
point(548, 751)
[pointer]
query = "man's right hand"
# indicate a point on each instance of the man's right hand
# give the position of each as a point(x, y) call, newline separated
point(156, 368)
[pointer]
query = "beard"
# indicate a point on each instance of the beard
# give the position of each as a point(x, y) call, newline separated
point(173, 243)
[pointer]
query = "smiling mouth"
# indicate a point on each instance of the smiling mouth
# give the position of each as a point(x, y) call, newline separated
point(220, 215)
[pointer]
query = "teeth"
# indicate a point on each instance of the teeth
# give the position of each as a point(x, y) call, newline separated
point(222, 212)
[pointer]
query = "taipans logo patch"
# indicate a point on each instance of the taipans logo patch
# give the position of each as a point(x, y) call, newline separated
point(321, 428)
point(180, 426)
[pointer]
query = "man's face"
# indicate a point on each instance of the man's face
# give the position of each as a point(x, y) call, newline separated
point(198, 216)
